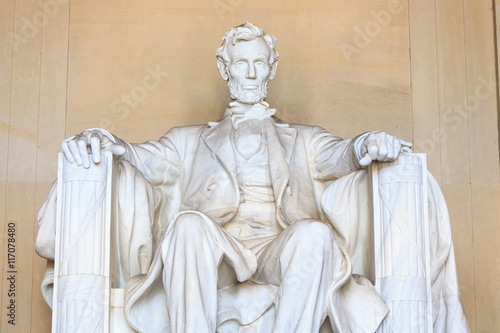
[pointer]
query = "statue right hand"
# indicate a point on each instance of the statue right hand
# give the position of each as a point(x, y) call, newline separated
point(78, 148)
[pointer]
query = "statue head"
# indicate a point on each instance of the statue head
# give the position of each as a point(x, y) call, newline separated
point(247, 59)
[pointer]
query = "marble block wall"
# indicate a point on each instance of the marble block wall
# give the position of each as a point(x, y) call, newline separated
point(423, 70)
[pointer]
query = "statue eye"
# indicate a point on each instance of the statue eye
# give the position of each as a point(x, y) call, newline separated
point(240, 63)
point(259, 63)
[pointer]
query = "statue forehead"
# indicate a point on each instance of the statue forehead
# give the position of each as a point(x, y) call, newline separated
point(253, 48)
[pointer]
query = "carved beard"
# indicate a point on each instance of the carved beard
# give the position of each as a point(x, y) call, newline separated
point(247, 96)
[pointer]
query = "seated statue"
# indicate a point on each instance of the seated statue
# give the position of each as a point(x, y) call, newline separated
point(223, 222)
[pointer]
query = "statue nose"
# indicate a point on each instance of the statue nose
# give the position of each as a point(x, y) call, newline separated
point(251, 72)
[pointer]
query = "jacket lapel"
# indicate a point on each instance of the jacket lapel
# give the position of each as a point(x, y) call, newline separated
point(287, 136)
point(217, 136)
point(280, 143)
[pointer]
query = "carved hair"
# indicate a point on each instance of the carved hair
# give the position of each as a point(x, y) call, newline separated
point(245, 32)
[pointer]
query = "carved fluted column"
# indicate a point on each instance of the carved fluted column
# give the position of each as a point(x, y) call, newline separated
point(401, 233)
point(83, 232)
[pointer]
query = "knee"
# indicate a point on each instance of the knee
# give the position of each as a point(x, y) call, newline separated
point(313, 244)
point(189, 224)
point(313, 232)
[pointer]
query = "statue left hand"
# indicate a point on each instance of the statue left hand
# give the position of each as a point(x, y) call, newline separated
point(380, 146)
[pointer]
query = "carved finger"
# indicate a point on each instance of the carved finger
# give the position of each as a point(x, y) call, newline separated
point(383, 151)
point(67, 152)
point(73, 147)
point(95, 145)
point(82, 146)
point(118, 150)
point(365, 160)
point(406, 143)
point(397, 148)
point(390, 154)
point(373, 149)
point(391, 151)
point(97, 134)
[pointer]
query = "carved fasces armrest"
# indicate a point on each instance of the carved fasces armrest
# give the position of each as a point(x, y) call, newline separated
point(83, 246)
point(401, 239)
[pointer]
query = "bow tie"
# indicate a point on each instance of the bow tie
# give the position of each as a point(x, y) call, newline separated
point(258, 111)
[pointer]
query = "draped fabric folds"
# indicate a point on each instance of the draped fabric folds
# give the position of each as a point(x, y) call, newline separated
point(345, 205)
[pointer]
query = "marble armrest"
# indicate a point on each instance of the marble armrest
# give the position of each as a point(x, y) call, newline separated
point(83, 295)
point(401, 242)
point(83, 246)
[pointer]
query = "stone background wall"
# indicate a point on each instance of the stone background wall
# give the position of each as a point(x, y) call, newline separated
point(423, 70)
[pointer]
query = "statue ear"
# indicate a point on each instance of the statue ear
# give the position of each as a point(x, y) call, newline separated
point(274, 67)
point(222, 69)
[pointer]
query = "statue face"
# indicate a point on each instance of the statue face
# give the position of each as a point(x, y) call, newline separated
point(249, 70)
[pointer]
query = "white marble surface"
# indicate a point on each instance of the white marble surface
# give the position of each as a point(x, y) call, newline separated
point(83, 247)
point(401, 242)
point(238, 222)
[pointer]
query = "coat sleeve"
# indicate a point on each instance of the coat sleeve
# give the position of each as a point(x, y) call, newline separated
point(159, 161)
point(331, 157)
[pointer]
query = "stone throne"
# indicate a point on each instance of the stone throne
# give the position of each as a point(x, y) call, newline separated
point(407, 226)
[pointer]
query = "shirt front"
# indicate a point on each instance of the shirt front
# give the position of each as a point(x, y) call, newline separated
point(255, 223)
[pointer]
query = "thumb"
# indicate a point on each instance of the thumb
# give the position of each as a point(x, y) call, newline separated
point(118, 150)
point(365, 160)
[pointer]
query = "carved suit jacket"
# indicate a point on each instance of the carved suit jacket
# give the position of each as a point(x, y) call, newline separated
point(194, 168)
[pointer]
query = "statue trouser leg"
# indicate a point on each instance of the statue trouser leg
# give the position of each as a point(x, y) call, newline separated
point(192, 250)
point(301, 261)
